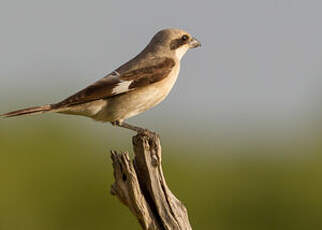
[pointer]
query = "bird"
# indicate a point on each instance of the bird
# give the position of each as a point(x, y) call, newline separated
point(131, 89)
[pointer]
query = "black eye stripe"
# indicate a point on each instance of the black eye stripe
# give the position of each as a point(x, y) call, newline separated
point(184, 37)
point(176, 43)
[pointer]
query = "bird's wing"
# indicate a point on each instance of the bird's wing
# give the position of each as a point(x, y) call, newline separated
point(117, 83)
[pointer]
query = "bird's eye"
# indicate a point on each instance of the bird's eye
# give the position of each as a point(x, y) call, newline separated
point(184, 37)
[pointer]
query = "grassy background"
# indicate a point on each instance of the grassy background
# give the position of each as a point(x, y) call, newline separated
point(56, 174)
point(241, 130)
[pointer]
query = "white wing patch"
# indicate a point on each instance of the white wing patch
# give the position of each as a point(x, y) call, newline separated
point(121, 87)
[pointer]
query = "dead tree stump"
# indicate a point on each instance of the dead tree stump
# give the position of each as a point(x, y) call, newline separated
point(140, 185)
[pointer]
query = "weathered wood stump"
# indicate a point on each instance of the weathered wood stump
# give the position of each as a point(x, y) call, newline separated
point(140, 185)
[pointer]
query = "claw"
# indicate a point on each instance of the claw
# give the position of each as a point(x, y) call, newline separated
point(116, 123)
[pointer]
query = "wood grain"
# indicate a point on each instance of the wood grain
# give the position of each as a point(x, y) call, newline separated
point(141, 186)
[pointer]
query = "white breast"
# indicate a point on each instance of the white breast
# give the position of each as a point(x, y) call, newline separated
point(181, 51)
point(132, 103)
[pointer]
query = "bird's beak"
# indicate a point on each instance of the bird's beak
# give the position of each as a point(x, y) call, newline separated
point(194, 43)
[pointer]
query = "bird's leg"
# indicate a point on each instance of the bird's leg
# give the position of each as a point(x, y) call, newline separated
point(128, 126)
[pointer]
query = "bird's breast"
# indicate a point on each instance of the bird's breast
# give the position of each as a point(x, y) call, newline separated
point(137, 101)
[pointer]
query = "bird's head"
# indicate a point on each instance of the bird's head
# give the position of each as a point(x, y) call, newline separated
point(173, 41)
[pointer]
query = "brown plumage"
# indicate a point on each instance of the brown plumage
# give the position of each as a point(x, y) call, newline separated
point(157, 69)
point(31, 110)
point(132, 88)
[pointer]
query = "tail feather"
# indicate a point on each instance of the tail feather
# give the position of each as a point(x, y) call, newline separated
point(31, 110)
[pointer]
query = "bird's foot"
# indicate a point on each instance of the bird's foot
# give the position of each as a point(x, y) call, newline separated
point(137, 129)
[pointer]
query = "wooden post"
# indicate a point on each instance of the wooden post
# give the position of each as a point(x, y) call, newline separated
point(140, 185)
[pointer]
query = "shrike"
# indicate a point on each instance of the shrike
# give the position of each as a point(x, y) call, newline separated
point(133, 88)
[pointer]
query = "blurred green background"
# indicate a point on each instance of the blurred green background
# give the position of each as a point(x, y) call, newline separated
point(241, 131)
point(57, 174)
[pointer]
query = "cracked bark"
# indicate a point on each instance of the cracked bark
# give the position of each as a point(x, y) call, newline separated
point(141, 186)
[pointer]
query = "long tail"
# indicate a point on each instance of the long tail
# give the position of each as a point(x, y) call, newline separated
point(27, 111)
